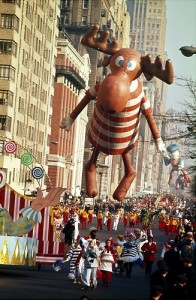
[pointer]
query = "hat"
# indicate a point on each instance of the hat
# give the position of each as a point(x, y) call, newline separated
point(189, 233)
point(161, 264)
point(137, 231)
point(172, 148)
point(92, 229)
point(132, 235)
point(120, 236)
point(182, 278)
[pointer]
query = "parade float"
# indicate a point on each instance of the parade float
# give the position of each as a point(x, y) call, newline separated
point(27, 232)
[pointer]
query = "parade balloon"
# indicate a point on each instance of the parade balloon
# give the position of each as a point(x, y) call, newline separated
point(174, 159)
point(120, 100)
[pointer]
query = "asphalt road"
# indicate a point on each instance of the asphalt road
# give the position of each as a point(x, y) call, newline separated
point(29, 283)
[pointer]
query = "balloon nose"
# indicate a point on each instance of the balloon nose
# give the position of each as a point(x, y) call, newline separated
point(109, 111)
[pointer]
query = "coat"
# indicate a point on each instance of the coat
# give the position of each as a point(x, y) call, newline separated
point(149, 250)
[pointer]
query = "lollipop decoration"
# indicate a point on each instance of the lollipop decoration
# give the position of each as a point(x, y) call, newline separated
point(26, 159)
point(10, 147)
point(37, 173)
point(2, 178)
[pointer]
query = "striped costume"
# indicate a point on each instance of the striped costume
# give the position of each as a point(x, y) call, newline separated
point(118, 133)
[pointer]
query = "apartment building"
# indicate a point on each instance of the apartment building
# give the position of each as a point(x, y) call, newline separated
point(65, 160)
point(28, 32)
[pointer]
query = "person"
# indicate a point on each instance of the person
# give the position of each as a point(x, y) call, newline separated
point(130, 254)
point(84, 219)
point(109, 221)
point(99, 220)
point(84, 297)
point(173, 261)
point(90, 254)
point(178, 289)
point(68, 232)
point(107, 259)
point(166, 247)
point(156, 292)
point(149, 249)
point(159, 276)
point(72, 255)
point(92, 235)
point(75, 216)
point(90, 215)
point(116, 219)
point(105, 216)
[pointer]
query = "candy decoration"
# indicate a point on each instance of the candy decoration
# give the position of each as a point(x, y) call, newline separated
point(26, 159)
point(2, 178)
point(37, 173)
point(10, 147)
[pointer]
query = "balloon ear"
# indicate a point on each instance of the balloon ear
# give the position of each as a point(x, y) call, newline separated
point(106, 61)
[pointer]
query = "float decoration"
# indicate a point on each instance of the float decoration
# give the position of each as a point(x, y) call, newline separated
point(10, 147)
point(16, 249)
point(120, 99)
point(37, 173)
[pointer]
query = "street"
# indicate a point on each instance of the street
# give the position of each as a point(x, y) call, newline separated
point(29, 283)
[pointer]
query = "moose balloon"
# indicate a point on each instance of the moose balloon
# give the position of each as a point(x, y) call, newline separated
point(120, 101)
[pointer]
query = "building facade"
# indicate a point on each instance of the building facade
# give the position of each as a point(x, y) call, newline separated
point(28, 32)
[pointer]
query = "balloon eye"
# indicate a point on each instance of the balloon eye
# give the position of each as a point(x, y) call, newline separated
point(131, 65)
point(119, 61)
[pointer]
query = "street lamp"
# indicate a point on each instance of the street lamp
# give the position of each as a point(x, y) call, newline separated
point(188, 50)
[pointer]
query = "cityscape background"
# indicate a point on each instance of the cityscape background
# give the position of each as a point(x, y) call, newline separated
point(44, 72)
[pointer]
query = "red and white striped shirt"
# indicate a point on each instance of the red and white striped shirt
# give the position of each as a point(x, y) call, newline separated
point(118, 133)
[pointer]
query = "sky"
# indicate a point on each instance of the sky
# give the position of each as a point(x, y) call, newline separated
point(181, 31)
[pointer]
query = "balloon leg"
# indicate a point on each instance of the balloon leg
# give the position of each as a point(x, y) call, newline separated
point(127, 180)
point(90, 174)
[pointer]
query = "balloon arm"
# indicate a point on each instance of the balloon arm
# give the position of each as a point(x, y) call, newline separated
point(67, 122)
point(155, 132)
point(81, 105)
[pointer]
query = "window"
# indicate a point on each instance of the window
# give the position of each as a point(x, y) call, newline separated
point(23, 82)
point(9, 21)
point(6, 97)
point(27, 35)
point(85, 4)
point(8, 47)
point(5, 123)
point(21, 105)
point(84, 21)
point(12, 1)
point(25, 58)
point(7, 72)
point(29, 11)
point(1, 147)
point(103, 13)
point(20, 129)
